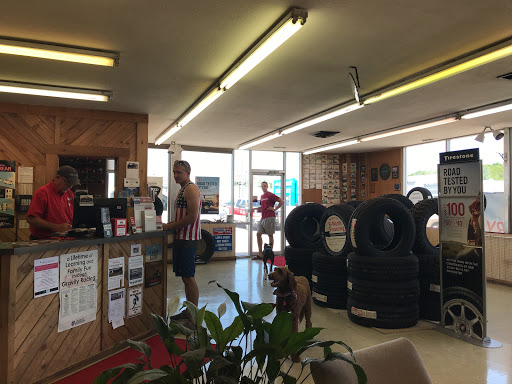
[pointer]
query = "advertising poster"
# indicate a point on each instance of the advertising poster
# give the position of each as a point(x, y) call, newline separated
point(462, 244)
point(135, 250)
point(153, 252)
point(7, 194)
point(116, 307)
point(46, 276)
point(223, 238)
point(135, 270)
point(153, 274)
point(134, 302)
point(115, 273)
point(209, 188)
point(78, 293)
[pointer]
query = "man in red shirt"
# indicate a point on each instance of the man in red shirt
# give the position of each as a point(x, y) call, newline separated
point(51, 209)
point(267, 223)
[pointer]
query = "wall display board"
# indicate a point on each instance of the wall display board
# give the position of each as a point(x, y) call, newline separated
point(209, 187)
point(323, 172)
point(7, 195)
point(462, 246)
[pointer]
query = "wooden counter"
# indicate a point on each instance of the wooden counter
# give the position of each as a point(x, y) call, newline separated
point(31, 349)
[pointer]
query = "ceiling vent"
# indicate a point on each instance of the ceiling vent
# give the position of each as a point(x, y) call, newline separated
point(323, 134)
point(506, 76)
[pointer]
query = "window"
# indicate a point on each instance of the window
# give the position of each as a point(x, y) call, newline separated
point(421, 165)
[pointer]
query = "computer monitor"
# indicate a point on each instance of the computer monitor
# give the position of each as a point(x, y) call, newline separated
point(87, 216)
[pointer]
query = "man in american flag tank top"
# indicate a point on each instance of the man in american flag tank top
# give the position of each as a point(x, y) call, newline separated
point(187, 226)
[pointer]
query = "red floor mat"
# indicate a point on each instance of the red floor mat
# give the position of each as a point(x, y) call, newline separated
point(159, 357)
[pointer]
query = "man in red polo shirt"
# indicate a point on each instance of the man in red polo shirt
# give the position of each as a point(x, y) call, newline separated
point(51, 210)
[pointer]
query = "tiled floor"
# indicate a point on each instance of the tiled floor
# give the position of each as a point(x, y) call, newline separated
point(447, 359)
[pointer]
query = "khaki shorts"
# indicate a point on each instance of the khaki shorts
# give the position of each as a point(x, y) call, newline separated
point(267, 226)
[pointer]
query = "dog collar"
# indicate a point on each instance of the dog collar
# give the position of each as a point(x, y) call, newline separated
point(292, 293)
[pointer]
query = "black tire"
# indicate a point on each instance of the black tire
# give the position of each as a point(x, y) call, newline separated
point(353, 203)
point(324, 263)
point(327, 299)
point(365, 219)
point(382, 316)
point(400, 198)
point(334, 225)
point(430, 301)
point(387, 292)
point(382, 268)
point(429, 268)
point(418, 194)
point(421, 213)
point(299, 256)
point(333, 284)
point(302, 226)
point(205, 247)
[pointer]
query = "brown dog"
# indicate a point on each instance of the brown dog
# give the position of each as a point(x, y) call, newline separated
point(292, 295)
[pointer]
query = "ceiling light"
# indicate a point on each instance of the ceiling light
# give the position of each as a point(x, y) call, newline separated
point(470, 64)
point(488, 111)
point(54, 91)
point(285, 28)
point(409, 129)
point(259, 141)
point(338, 111)
point(332, 146)
point(282, 31)
point(498, 135)
point(56, 52)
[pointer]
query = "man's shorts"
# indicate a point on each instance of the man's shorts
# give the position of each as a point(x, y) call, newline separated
point(184, 258)
point(267, 226)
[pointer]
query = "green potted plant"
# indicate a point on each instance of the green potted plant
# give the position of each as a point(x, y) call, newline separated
point(249, 351)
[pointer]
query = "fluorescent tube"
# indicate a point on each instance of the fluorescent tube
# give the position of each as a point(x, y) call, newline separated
point(52, 91)
point(329, 147)
point(489, 111)
point(259, 141)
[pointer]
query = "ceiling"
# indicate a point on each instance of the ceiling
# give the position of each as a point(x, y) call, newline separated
point(173, 51)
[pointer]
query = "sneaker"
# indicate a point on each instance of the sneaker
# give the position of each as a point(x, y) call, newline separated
point(180, 316)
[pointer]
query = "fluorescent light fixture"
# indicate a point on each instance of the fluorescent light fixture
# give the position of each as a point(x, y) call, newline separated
point(470, 64)
point(329, 115)
point(199, 107)
point(286, 28)
point(409, 129)
point(259, 141)
point(54, 91)
point(329, 147)
point(56, 52)
point(282, 31)
point(167, 134)
point(488, 111)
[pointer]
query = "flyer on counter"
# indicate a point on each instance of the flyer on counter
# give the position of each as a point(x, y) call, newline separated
point(116, 307)
point(135, 270)
point(46, 276)
point(78, 293)
point(115, 273)
point(134, 302)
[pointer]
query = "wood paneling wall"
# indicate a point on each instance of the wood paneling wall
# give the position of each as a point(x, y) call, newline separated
point(34, 136)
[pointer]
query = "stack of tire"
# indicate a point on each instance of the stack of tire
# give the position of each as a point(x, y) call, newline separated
point(429, 259)
point(330, 264)
point(383, 286)
point(302, 230)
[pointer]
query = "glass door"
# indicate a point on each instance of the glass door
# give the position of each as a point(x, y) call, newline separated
point(274, 184)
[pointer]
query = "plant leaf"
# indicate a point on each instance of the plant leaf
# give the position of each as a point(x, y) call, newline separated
point(246, 380)
point(272, 369)
point(152, 374)
point(235, 298)
point(215, 327)
point(173, 306)
point(141, 346)
point(180, 328)
point(297, 340)
point(194, 360)
point(259, 311)
point(281, 328)
point(108, 374)
point(221, 310)
point(233, 331)
point(128, 373)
